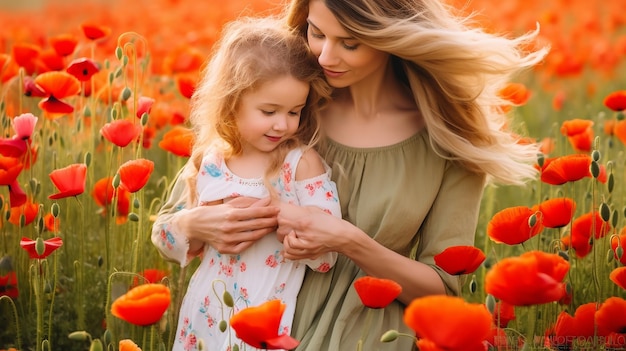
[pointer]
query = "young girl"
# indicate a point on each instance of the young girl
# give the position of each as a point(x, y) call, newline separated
point(255, 114)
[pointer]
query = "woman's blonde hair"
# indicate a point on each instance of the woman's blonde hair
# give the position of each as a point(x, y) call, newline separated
point(251, 52)
point(454, 71)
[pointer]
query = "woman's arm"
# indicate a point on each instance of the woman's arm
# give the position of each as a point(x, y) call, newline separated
point(308, 232)
point(180, 233)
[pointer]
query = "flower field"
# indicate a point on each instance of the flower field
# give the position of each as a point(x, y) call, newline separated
point(93, 102)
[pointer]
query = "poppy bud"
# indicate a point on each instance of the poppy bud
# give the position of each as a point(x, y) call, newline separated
point(595, 155)
point(235, 347)
point(532, 220)
point(595, 169)
point(116, 181)
point(614, 218)
point(619, 115)
point(40, 246)
point(133, 217)
point(125, 95)
point(563, 254)
point(490, 303)
point(541, 158)
point(200, 345)
point(619, 252)
point(79, 335)
point(605, 212)
point(223, 325)
point(113, 114)
point(87, 159)
point(106, 336)
point(228, 299)
point(119, 52)
point(390, 335)
point(473, 284)
point(611, 183)
point(609, 256)
point(144, 119)
point(136, 203)
point(124, 60)
point(55, 209)
point(96, 345)
point(87, 112)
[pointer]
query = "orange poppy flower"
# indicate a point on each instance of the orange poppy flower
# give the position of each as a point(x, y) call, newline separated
point(63, 44)
point(51, 223)
point(28, 209)
point(135, 174)
point(121, 132)
point(258, 326)
point(590, 223)
point(457, 260)
point(94, 31)
point(103, 193)
point(10, 169)
point(619, 130)
point(580, 134)
point(83, 69)
point(512, 226)
point(569, 168)
point(535, 277)
point(517, 93)
point(50, 245)
point(376, 292)
point(184, 59)
point(618, 276)
point(50, 61)
point(558, 100)
point(69, 180)
point(151, 275)
point(616, 101)
point(128, 345)
point(179, 141)
point(448, 322)
point(556, 213)
point(503, 313)
point(611, 316)
point(57, 85)
point(142, 305)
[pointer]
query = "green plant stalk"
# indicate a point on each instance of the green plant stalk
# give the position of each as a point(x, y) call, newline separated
point(18, 334)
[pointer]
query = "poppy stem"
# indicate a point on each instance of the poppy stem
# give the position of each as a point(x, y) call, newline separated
point(366, 326)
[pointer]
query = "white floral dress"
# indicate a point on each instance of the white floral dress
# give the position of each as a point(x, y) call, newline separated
point(258, 274)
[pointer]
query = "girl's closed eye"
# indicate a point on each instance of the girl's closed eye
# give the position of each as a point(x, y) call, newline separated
point(268, 113)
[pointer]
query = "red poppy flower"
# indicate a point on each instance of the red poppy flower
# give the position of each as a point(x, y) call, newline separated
point(611, 316)
point(25, 55)
point(83, 69)
point(179, 141)
point(135, 174)
point(144, 104)
point(186, 85)
point(51, 61)
point(503, 313)
point(121, 132)
point(50, 245)
point(184, 59)
point(142, 305)
point(94, 31)
point(63, 44)
point(28, 210)
point(569, 168)
point(584, 320)
point(556, 213)
point(258, 326)
point(31, 89)
point(8, 285)
point(128, 345)
point(69, 180)
point(579, 133)
point(533, 278)
point(13, 147)
point(582, 229)
point(457, 260)
point(562, 333)
point(616, 100)
point(449, 322)
point(103, 193)
point(17, 196)
point(512, 226)
point(24, 125)
point(150, 275)
point(618, 276)
point(376, 292)
point(10, 169)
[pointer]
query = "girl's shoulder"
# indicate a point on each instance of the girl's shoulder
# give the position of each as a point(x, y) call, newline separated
point(305, 162)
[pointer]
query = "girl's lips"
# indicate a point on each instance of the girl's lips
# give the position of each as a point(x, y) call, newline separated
point(272, 138)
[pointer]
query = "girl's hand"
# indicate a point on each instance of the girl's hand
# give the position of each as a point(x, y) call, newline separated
point(308, 232)
point(230, 227)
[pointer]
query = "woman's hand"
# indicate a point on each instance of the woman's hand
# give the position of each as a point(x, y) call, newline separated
point(231, 227)
point(308, 232)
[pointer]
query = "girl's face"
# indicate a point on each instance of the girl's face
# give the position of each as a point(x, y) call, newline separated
point(270, 114)
point(344, 59)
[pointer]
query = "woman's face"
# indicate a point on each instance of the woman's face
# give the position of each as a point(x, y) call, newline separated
point(344, 59)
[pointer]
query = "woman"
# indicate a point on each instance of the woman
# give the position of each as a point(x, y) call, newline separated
point(415, 130)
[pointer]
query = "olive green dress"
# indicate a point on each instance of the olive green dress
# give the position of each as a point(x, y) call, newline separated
point(405, 196)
